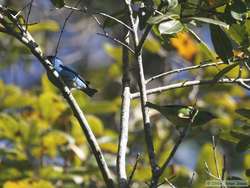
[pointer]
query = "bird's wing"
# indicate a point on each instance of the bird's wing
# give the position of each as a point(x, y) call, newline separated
point(74, 73)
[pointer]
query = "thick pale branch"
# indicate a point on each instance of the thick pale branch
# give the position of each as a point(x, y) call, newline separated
point(192, 83)
point(143, 96)
point(124, 122)
point(25, 37)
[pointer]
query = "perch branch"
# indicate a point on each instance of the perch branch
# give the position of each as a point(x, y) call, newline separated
point(24, 37)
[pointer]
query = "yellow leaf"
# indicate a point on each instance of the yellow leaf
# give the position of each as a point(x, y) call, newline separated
point(95, 124)
point(152, 45)
point(206, 155)
point(52, 140)
point(109, 147)
point(247, 161)
point(51, 105)
point(77, 132)
point(49, 25)
point(47, 86)
point(185, 45)
point(114, 52)
point(28, 183)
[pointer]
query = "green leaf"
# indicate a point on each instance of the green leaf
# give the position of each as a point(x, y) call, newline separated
point(95, 124)
point(28, 183)
point(247, 172)
point(211, 21)
point(227, 136)
point(102, 107)
point(13, 97)
point(239, 134)
point(189, 7)
point(152, 45)
point(58, 3)
point(243, 145)
point(170, 27)
point(238, 10)
point(203, 47)
point(47, 86)
point(244, 112)
point(113, 51)
point(50, 105)
point(203, 117)
point(238, 32)
point(160, 18)
point(109, 147)
point(225, 71)
point(168, 4)
point(54, 139)
point(48, 25)
point(172, 4)
point(222, 44)
point(206, 155)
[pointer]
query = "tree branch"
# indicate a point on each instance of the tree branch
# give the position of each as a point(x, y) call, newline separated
point(183, 134)
point(102, 14)
point(183, 69)
point(105, 34)
point(173, 151)
point(24, 37)
point(133, 170)
point(191, 83)
point(123, 137)
point(143, 96)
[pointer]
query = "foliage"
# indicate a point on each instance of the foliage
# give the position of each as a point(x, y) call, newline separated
point(42, 143)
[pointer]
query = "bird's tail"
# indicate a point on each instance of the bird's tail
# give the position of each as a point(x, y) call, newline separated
point(151, 105)
point(89, 91)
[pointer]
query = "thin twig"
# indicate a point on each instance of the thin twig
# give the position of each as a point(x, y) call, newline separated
point(144, 37)
point(28, 15)
point(133, 170)
point(223, 168)
point(189, 84)
point(115, 19)
point(176, 146)
point(166, 180)
point(182, 70)
point(125, 109)
point(210, 173)
point(215, 157)
point(105, 34)
point(25, 38)
point(102, 14)
point(192, 179)
point(169, 183)
point(64, 24)
point(117, 41)
point(24, 7)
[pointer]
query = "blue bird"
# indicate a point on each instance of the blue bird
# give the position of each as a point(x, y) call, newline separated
point(70, 77)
